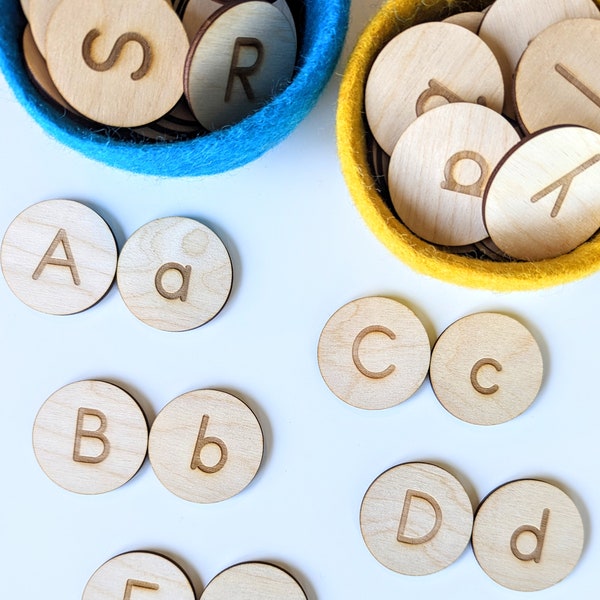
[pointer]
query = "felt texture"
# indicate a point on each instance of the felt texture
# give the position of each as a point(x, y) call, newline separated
point(321, 42)
point(395, 16)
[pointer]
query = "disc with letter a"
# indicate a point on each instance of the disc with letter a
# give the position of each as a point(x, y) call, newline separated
point(206, 446)
point(90, 437)
point(117, 63)
point(528, 535)
point(174, 274)
point(253, 581)
point(243, 55)
point(543, 199)
point(59, 257)
point(134, 575)
point(416, 519)
point(555, 82)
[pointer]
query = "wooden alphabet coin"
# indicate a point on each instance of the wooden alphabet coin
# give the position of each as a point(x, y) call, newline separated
point(470, 20)
point(486, 368)
point(555, 82)
point(39, 13)
point(90, 437)
point(134, 575)
point(117, 63)
point(440, 167)
point(374, 353)
point(174, 274)
point(426, 66)
point(59, 257)
point(243, 55)
point(543, 199)
point(253, 581)
point(528, 535)
point(416, 519)
point(206, 446)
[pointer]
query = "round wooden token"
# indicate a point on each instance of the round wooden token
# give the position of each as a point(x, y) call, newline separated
point(510, 25)
point(426, 66)
point(486, 368)
point(174, 274)
point(555, 82)
point(90, 437)
point(440, 167)
point(25, 7)
point(39, 13)
point(136, 575)
point(374, 353)
point(543, 200)
point(243, 55)
point(470, 20)
point(416, 519)
point(121, 63)
point(253, 581)
point(528, 535)
point(206, 446)
point(59, 257)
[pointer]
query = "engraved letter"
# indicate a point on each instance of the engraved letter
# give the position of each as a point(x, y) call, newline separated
point(539, 533)
point(243, 73)
point(488, 391)
point(48, 259)
point(131, 36)
point(472, 189)
point(205, 441)
point(584, 89)
point(356, 347)
point(131, 583)
point(436, 88)
point(97, 434)
point(185, 273)
point(410, 494)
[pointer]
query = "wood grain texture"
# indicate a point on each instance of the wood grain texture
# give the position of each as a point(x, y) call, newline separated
point(486, 368)
point(59, 257)
point(90, 437)
point(174, 274)
point(543, 200)
point(416, 519)
point(374, 353)
point(470, 20)
point(39, 13)
point(528, 535)
point(426, 66)
point(206, 446)
point(440, 167)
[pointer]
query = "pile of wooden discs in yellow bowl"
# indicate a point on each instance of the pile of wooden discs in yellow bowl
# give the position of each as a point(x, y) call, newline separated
point(470, 141)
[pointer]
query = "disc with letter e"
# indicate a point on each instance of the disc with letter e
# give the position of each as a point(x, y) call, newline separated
point(528, 535)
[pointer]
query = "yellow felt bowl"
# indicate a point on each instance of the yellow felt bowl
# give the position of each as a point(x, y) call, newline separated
point(394, 17)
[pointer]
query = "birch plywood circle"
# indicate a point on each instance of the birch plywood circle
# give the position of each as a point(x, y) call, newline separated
point(470, 20)
point(137, 575)
point(556, 206)
point(174, 274)
point(416, 519)
point(90, 437)
point(374, 353)
point(206, 446)
point(59, 257)
point(486, 368)
point(39, 13)
point(253, 581)
point(419, 70)
point(528, 535)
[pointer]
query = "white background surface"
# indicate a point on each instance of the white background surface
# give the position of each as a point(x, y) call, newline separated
point(300, 251)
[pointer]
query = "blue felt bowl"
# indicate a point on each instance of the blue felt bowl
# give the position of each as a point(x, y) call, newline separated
point(321, 38)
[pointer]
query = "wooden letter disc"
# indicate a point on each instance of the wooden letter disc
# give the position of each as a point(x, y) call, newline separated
point(543, 199)
point(426, 66)
point(470, 20)
point(374, 353)
point(59, 257)
point(39, 13)
point(117, 63)
point(136, 575)
point(486, 368)
point(242, 56)
point(416, 519)
point(253, 581)
point(440, 167)
point(174, 274)
point(528, 535)
point(206, 446)
point(90, 437)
